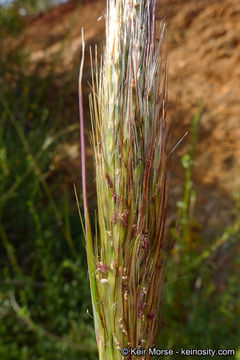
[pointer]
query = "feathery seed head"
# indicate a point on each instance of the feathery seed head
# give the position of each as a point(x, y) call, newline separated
point(128, 110)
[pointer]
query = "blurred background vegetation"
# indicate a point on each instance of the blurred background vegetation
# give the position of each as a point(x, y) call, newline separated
point(45, 305)
point(28, 6)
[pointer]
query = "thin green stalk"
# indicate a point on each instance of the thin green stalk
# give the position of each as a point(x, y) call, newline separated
point(10, 251)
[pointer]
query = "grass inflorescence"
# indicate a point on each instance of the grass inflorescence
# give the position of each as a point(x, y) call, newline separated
point(127, 255)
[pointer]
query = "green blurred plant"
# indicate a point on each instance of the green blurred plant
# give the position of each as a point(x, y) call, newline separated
point(44, 293)
point(19, 8)
point(201, 306)
point(11, 22)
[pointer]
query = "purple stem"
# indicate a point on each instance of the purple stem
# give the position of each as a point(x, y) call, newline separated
point(82, 139)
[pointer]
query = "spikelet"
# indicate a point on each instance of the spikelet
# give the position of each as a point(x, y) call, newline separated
point(128, 111)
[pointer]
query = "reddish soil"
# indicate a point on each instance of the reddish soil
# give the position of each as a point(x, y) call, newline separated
point(204, 71)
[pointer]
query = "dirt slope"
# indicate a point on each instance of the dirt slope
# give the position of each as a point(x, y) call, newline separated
point(204, 70)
